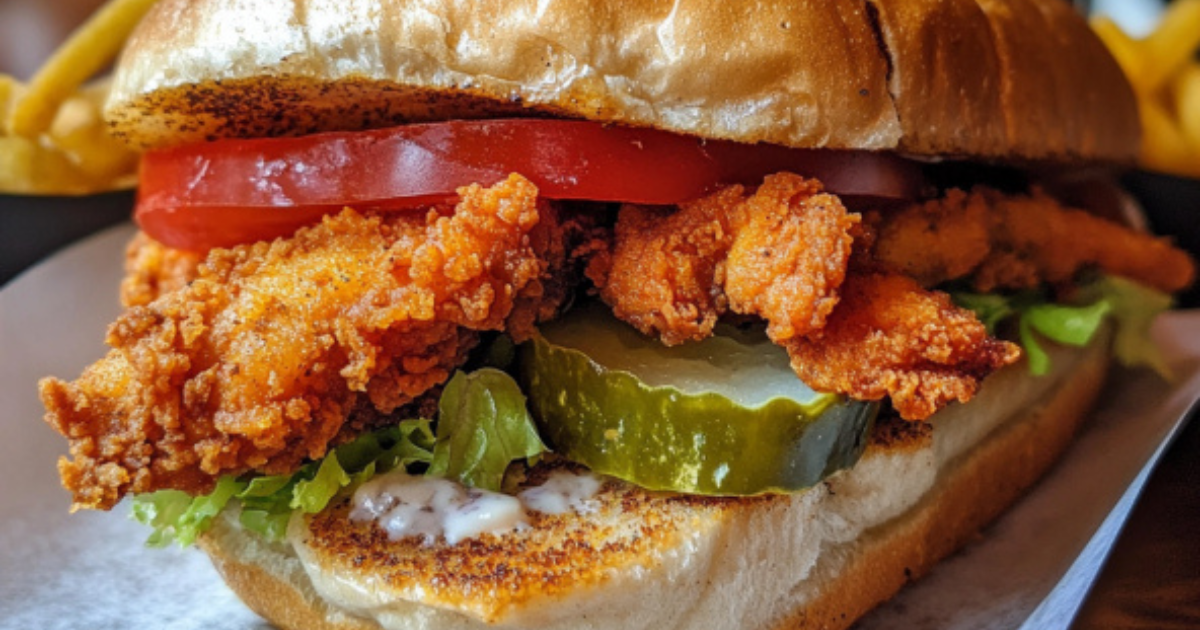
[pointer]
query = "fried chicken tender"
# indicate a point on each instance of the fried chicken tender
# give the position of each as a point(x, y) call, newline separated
point(1020, 241)
point(889, 337)
point(783, 254)
point(152, 269)
point(256, 364)
point(780, 254)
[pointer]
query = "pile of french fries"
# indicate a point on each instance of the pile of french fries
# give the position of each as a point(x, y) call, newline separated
point(53, 139)
point(1165, 74)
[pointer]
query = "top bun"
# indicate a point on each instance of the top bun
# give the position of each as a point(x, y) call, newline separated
point(1000, 80)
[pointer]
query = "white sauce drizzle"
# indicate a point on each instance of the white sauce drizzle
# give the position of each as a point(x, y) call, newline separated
point(563, 491)
point(405, 505)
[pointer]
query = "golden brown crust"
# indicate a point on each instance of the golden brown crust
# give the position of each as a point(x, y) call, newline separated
point(1008, 242)
point(994, 78)
point(258, 363)
point(983, 78)
point(153, 269)
point(889, 337)
point(275, 599)
point(494, 576)
point(779, 253)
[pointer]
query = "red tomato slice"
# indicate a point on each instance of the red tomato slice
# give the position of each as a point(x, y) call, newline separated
point(222, 193)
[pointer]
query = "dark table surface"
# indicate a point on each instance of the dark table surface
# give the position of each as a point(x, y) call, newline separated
point(1152, 579)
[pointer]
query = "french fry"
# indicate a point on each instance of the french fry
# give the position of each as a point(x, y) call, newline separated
point(10, 89)
point(6, 89)
point(76, 155)
point(1167, 84)
point(1164, 147)
point(29, 168)
point(1172, 44)
point(16, 164)
point(90, 48)
point(1187, 104)
point(53, 139)
point(79, 132)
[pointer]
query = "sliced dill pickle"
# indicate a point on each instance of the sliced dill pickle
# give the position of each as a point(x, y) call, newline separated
point(726, 416)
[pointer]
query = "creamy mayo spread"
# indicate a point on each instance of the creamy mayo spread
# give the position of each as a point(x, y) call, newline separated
point(405, 505)
point(562, 492)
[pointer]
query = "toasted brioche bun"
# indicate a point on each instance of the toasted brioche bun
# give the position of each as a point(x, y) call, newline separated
point(1011, 80)
point(817, 559)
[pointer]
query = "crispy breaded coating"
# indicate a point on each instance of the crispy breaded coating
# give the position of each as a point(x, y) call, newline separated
point(934, 241)
point(660, 271)
point(152, 269)
point(256, 364)
point(1020, 241)
point(789, 255)
point(780, 253)
point(889, 337)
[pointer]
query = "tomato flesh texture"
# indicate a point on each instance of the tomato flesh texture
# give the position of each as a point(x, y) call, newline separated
point(227, 192)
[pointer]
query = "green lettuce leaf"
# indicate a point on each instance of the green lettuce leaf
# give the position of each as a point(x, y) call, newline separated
point(1039, 360)
point(1069, 325)
point(270, 524)
point(312, 495)
point(1130, 305)
point(268, 501)
point(411, 443)
point(990, 308)
point(265, 486)
point(483, 426)
point(1134, 308)
point(178, 517)
point(161, 510)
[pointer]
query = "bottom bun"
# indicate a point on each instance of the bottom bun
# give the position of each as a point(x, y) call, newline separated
point(816, 559)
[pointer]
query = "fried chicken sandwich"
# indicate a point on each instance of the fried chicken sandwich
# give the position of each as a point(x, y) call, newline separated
point(571, 314)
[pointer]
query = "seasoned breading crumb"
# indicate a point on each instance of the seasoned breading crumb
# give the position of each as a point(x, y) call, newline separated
point(783, 253)
point(1020, 241)
point(152, 269)
point(889, 337)
point(258, 362)
point(780, 253)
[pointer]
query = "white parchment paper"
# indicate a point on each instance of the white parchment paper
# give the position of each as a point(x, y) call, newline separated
point(90, 570)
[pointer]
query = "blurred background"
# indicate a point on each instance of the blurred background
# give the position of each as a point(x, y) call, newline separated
point(1153, 577)
point(31, 29)
point(1137, 17)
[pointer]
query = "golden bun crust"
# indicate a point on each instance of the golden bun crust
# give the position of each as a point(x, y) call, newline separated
point(992, 79)
point(700, 560)
point(271, 582)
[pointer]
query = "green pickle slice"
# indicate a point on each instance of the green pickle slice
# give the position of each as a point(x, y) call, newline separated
point(726, 416)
